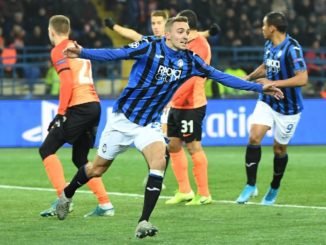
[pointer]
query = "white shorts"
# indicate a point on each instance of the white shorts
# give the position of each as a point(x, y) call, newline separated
point(284, 125)
point(119, 133)
point(165, 114)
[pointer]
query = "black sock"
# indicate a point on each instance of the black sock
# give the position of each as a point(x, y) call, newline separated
point(79, 180)
point(152, 193)
point(253, 155)
point(280, 163)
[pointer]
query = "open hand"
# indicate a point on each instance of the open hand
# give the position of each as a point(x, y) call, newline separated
point(73, 51)
point(270, 89)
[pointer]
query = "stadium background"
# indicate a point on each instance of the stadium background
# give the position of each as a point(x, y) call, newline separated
point(27, 79)
point(27, 104)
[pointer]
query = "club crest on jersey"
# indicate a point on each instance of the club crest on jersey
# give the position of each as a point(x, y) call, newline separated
point(279, 54)
point(180, 63)
point(134, 45)
point(104, 148)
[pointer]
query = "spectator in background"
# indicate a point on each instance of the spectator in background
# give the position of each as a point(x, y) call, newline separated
point(52, 81)
point(2, 39)
point(235, 70)
point(37, 37)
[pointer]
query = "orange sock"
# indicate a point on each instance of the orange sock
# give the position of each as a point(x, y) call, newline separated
point(179, 165)
point(97, 186)
point(54, 170)
point(200, 172)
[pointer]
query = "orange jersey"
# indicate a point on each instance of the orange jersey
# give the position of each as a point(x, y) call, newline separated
point(191, 94)
point(76, 82)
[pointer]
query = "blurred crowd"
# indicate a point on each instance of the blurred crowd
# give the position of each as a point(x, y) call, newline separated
point(24, 24)
point(240, 20)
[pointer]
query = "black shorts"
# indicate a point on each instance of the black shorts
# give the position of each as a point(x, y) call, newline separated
point(186, 124)
point(81, 119)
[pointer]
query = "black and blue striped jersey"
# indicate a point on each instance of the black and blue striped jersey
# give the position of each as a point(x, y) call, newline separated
point(281, 62)
point(150, 38)
point(156, 75)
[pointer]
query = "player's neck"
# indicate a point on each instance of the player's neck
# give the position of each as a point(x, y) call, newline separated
point(59, 39)
point(278, 38)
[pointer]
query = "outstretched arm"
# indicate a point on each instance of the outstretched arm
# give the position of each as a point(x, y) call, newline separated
point(203, 69)
point(259, 72)
point(123, 31)
point(127, 52)
point(300, 79)
point(213, 30)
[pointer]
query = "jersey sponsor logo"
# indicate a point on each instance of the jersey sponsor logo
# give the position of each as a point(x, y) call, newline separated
point(186, 135)
point(153, 189)
point(250, 164)
point(167, 74)
point(273, 66)
point(134, 45)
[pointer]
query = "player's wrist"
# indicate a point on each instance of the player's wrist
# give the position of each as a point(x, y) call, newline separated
point(109, 22)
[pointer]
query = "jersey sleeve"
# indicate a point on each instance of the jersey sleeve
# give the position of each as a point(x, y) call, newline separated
point(295, 58)
point(135, 50)
point(204, 70)
point(62, 67)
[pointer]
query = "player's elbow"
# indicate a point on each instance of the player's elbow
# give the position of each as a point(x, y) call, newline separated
point(302, 78)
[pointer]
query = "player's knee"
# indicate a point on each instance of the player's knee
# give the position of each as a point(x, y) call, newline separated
point(279, 150)
point(78, 161)
point(173, 147)
point(44, 152)
point(254, 140)
point(159, 163)
point(96, 172)
point(194, 148)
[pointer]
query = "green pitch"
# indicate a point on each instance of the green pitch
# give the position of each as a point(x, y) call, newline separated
point(299, 217)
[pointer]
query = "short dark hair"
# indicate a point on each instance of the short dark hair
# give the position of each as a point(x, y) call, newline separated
point(278, 20)
point(172, 20)
point(192, 18)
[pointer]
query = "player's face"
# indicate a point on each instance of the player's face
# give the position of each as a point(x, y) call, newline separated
point(267, 30)
point(178, 36)
point(158, 24)
point(50, 33)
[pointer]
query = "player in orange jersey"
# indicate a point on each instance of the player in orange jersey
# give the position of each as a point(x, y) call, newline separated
point(188, 108)
point(77, 118)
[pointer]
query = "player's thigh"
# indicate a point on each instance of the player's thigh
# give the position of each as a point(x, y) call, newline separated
point(112, 143)
point(175, 144)
point(80, 150)
point(117, 136)
point(80, 119)
point(186, 124)
point(285, 126)
point(146, 135)
point(53, 141)
point(260, 122)
point(154, 154)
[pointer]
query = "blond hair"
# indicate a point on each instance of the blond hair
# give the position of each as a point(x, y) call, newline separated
point(172, 20)
point(160, 13)
point(60, 24)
